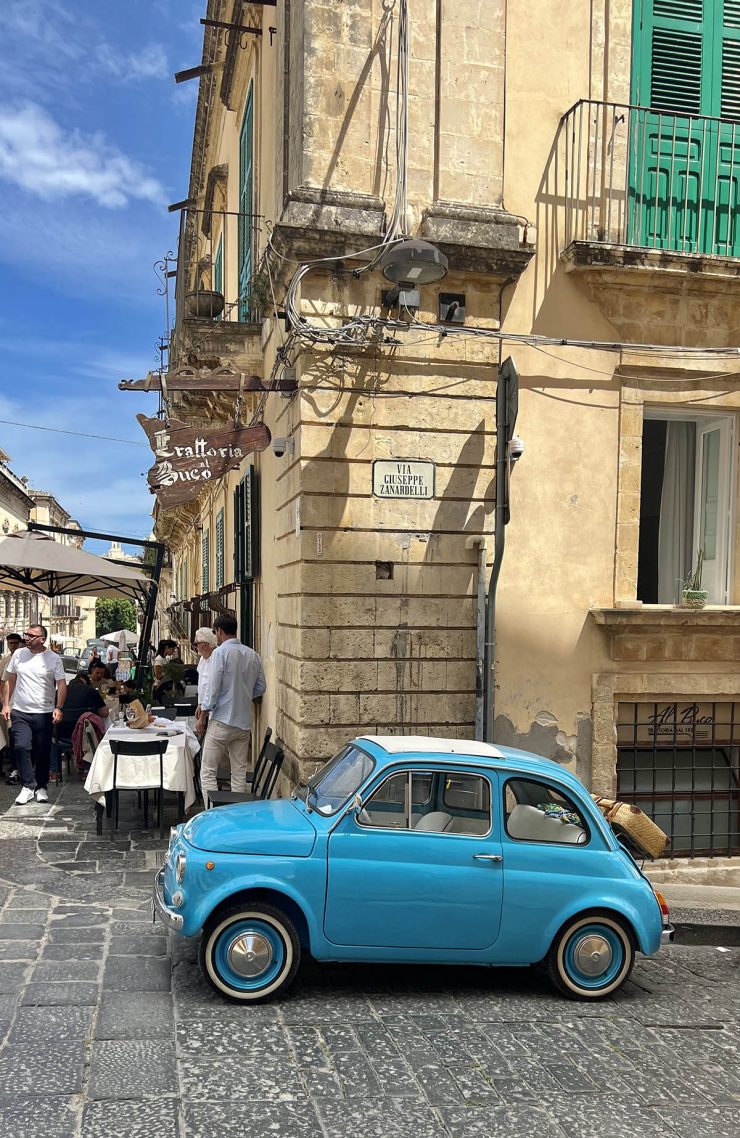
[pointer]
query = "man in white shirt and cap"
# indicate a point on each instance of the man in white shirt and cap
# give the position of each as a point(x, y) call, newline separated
point(35, 681)
point(235, 680)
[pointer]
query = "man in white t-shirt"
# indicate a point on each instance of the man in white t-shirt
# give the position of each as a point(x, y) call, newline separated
point(111, 659)
point(35, 681)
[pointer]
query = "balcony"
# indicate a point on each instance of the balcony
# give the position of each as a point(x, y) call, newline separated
point(66, 612)
point(649, 200)
point(218, 295)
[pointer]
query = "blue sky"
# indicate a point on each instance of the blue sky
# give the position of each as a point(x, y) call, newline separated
point(95, 141)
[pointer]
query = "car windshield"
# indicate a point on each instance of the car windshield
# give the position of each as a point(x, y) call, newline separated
point(334, 784)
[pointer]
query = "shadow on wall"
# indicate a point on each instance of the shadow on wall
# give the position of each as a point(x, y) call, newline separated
point(382, 50)
point(416, 644)
point(560, 306)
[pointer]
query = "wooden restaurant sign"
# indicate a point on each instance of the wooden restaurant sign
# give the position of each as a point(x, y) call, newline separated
point(188, 458)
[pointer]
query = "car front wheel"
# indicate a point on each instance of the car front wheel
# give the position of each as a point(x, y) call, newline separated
point(591, 957)
point(250, 953)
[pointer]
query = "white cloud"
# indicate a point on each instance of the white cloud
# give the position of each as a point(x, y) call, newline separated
point(149, 63)
point(37, 155)
point(48, 38)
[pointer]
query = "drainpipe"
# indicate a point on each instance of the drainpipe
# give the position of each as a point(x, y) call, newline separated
point(507, 406)
point(479, 543)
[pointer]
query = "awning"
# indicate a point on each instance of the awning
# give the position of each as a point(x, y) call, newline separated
point(35, 563)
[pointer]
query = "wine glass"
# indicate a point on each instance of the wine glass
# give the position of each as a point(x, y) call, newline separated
point(130, 714)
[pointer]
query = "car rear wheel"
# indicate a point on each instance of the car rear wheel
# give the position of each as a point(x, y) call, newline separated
point(250, 953)
point(591, 957)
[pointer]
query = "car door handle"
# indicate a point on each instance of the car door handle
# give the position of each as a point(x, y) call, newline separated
point(487, 857)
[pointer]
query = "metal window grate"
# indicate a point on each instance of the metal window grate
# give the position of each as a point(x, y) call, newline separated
point(679, 762)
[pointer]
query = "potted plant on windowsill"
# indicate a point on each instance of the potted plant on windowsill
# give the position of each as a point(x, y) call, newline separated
point(693, 596)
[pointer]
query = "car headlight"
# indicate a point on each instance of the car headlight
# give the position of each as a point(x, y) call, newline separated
point(180, 863)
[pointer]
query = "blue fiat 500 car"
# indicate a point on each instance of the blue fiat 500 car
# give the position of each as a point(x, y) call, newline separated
point(418, 850)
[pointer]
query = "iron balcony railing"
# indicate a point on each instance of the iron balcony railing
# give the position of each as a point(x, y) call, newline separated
point(66, 612)
point(649, 178)
point(216, 278)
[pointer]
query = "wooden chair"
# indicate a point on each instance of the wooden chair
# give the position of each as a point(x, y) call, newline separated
point(263, 783)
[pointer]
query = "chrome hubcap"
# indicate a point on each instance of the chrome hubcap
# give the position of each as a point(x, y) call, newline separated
point(250, 954)
point(592, 955)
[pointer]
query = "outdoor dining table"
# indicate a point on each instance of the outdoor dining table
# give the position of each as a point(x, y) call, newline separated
point(140, 772)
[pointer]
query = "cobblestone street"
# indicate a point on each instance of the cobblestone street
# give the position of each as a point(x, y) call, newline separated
point(108, 1028)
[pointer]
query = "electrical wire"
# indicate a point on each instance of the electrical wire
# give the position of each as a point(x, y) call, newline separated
point(76, 434)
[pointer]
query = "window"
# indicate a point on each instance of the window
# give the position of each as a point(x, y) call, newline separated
point(442, 802)
point(205, 570)
point(220, 549)
point(335, 783)
point(683, 166)
point(680, 763)
point(685, 505)
point(537, 812)
point(246, 527)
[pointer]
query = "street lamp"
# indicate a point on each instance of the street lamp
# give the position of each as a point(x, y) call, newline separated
point(409, 264)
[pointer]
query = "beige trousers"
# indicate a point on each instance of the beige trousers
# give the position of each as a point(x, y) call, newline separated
point(231, 744)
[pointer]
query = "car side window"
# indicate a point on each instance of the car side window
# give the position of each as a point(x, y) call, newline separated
point(443, 802)
point(537, 812)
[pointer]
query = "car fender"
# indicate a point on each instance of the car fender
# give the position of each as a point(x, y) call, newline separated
point(233, 884)
point(642, 915)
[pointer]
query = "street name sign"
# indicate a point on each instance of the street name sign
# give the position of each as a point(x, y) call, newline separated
point(403, 478)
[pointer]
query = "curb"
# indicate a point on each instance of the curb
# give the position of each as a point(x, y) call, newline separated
point(695, 933)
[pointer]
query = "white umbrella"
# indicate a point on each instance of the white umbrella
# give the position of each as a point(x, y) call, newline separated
point(34, 563)
point(123, 638)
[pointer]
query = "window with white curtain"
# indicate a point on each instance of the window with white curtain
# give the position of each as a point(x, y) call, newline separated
point(686, 503)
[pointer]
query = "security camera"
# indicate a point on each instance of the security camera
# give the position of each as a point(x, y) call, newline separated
point(283, 446)
point(516, 448)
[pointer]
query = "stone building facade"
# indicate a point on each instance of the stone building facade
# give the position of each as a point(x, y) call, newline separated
point(554, 163)
point(70, 620)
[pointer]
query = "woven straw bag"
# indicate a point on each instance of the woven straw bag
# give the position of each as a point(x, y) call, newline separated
point(640, 829)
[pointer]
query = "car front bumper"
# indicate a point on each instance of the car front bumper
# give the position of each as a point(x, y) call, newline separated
point(160, 909)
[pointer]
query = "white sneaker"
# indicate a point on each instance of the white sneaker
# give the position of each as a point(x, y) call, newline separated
point(41, 795)
point(26, 795)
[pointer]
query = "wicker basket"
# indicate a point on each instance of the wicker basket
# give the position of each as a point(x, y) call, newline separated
point(640, 829)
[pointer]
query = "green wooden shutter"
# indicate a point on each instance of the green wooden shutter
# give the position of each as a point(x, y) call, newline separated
point(220, 551)
point(205, 568)
point(246, 527)
point(730, 90)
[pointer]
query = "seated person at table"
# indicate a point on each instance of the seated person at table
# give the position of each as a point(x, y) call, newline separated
point(81, 697)
point(128, 691)
point(98, 674)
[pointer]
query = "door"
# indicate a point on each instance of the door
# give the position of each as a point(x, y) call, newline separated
point(246, 199)
point(713, 504)
point(683, 142)
point(427, 877)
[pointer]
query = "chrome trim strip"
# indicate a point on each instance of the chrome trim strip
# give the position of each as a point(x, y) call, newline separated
point(166, 915)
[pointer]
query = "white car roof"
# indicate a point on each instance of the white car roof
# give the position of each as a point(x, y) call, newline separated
point(403, 744)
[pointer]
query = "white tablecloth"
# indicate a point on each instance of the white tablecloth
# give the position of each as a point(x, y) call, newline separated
point(142, 771)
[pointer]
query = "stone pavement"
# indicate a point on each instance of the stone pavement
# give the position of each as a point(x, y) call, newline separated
point(107, 1027)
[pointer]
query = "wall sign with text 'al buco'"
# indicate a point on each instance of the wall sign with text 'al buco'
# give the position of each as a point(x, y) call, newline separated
point(188, 458)
point(403, 478)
